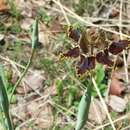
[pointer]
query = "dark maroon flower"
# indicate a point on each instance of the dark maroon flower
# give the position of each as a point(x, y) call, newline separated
point(103, 58)
point(74, 53)
point(87, 64)
point(74, 34)
point(117, 47)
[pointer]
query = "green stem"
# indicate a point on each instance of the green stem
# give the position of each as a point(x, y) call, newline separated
point(34, 42)
point(10, 124)
point(23, 74)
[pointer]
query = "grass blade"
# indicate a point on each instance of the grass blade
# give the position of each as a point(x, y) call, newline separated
point(83, 109)
point(35, 34)
point(4, 98)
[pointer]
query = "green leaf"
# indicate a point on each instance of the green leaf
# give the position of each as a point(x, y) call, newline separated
point(83, 109)
point(103, 88)
point(35, 34)
point(13, 99)
point(3, 87)
point(59, 87)
point(100, 73)
point(4, 98)
point(72, 93)
point(42, 14)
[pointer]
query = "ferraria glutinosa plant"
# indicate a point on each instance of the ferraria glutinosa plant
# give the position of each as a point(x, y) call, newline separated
point(86, 43)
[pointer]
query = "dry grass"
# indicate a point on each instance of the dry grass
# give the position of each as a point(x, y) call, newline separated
point(48, 98)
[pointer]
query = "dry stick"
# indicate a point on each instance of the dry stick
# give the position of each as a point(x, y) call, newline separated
point(103, 103)
point(64, 13)
point(24, 81)
point(107, 20)
point(126, 128)
point(121, 37)
point(21, 66)
point(24, 123)
point(94, 18)
point(88, 23)
point(102, 19)
point(114, 121)
point(35, 100)
point(113, 25)
point(97, 112)
point(17, 64)
point(62, 108)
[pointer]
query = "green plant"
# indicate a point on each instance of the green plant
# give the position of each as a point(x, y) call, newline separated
point(4, 101)
point(71, 94)
point(90, 68)
point(34, 42)
point(15, 27)
point(59, 87)
point(5, 92)
point(42, 14)
point(14, 10)
point(100, 80)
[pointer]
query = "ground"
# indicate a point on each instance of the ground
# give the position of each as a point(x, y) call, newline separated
point(49, 94)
